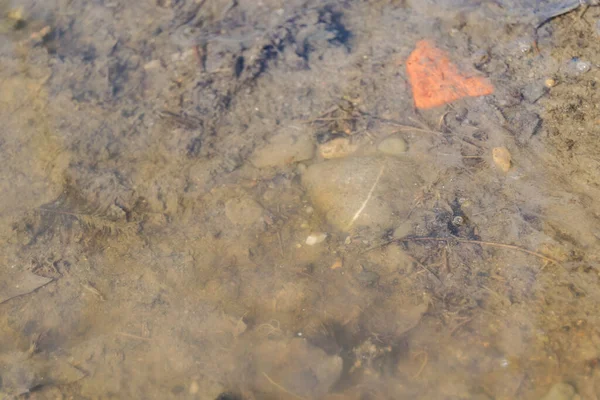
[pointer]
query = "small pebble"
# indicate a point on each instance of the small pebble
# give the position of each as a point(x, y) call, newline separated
point(283, 149)
point(337, 148)
point(301, 168)
point(152, 65)
point(337, 264)
point(561, 391)
point(243, 211)
point(583, 66)
point(502, 158)
point(393, 146)
point(194, 388)
point(316, 238)
point(524, 46)
point(534, 91)
point(458, 220)
point(550, 83)
point(576, 66)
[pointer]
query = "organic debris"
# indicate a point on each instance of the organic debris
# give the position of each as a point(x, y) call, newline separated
point(436, 81)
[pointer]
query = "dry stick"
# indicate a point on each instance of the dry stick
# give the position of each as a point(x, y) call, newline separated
point(277, 385)
point(482, 243)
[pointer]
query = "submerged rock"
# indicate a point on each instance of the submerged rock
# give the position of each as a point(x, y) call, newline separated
point(284, 148)
point(372, 192)
point(337, 148)
point(394, 319)
point(393, 146)
point(560, 391)
point(243, 211)
point(295, 369)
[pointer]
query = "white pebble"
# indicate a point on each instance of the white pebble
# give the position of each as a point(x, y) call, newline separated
point(577, 66)
point(583, 66)
point(316, 238)
point(524, 47)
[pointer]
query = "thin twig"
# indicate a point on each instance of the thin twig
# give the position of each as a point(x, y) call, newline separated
point(61, 212)
point(482, 243)
point(466, 321)
point(130, 335)
point(442, 122)
point(419, 122)
point(445, 260)
point(495, 293)
point(423, 363)
point(90, 288)
point(332, 119)
point(425, 268)
point(277, 385)
point(310, 276)
point(512, 247)
point(412, 128)
point(360, 210)
point(323, 114)
point(280, 244)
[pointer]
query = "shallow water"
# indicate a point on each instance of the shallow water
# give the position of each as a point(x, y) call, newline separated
point(268, 216)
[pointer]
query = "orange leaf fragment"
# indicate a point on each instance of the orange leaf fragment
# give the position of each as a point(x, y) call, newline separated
point(436, 81)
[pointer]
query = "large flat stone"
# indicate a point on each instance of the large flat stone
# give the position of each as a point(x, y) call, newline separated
point(376, 192)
